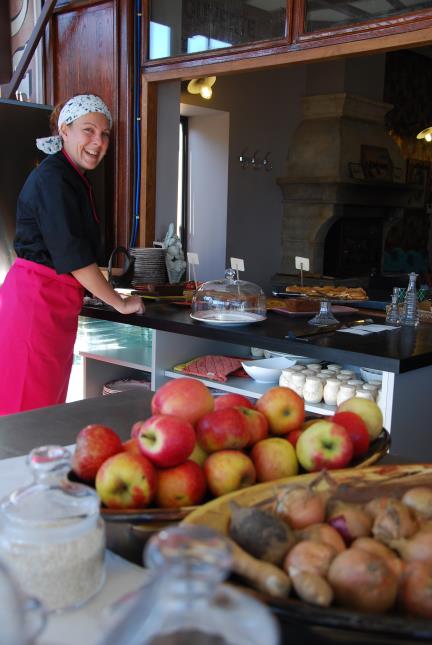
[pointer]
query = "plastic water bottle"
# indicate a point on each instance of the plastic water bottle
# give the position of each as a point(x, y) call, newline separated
point(410, 315)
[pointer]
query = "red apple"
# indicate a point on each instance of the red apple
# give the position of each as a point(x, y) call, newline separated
point(166, 440)
point(368, 410)
point(324, 444)
point(136, 428)
point(186, 398)
point(183, 485)
point(126, 481)
point(256, 423)
point(231, 400)
point(283, 408)
point(274, 458)
point(94, 444)
point(227, 471)
point(357, 430)
point(198, 455)
point(222, 429)
point(293, 436)
point(132, 445)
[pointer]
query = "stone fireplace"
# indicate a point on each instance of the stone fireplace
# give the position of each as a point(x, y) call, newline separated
point(319, 188)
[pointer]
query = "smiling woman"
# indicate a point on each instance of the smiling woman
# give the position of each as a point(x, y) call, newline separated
point(57, 244)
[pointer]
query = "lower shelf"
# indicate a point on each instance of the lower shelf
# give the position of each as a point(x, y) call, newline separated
point(253, 390)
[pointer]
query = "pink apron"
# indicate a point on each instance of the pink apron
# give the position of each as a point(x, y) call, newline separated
point(38, 324)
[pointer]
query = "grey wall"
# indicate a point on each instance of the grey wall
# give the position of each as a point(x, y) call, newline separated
point(264, 111)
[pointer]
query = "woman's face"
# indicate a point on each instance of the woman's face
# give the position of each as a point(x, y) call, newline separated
point(86, 139)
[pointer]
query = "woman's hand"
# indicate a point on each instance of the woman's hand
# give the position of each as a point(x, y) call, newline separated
point(132, 305)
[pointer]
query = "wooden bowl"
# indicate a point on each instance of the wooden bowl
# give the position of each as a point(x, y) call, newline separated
point(359, 485)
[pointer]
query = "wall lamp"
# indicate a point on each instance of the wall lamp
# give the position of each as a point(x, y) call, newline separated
point(426, 134)
point(202, 86)
point(253, 161)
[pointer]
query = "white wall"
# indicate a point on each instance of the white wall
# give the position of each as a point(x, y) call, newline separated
point(208, 192)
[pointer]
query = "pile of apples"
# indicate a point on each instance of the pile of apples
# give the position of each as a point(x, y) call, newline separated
point(195, 444)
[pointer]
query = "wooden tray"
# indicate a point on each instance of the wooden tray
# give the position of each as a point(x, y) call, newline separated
point(356, 484)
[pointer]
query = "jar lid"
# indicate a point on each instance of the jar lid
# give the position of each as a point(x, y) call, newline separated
point(52, 508)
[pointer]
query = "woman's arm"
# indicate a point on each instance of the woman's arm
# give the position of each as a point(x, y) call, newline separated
point(92, 279)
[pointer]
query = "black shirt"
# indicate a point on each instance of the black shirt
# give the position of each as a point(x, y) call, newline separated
point(56, 224)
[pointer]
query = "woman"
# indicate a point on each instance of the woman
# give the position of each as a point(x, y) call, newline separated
point(57, 246)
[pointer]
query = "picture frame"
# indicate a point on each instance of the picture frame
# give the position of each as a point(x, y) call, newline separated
point(418, 178)
point(356, 171)
point(376, 163)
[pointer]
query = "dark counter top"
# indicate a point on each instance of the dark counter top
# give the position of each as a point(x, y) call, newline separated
point(398, 351)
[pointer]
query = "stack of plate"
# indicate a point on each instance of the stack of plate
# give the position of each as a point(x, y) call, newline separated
point(125, 385)
point(150, 265)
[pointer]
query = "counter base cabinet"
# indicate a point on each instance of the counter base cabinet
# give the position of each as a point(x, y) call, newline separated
point(405, 397)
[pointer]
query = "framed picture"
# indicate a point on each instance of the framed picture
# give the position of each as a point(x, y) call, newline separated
point(356, 171)
point(376, 163)
point(417, 173)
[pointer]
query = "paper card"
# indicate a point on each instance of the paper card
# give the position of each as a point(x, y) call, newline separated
point(359, 331)
point(237, 264)
point(376, 328)
point(193, 258)
point(301, 263)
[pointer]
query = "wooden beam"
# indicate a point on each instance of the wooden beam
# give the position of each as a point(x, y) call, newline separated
point(147, 225)
point(8, 90)
point(5, 44)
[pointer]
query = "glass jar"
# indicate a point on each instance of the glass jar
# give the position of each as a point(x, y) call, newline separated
point(285, 377)
point(373, 389)
point(51, 534)
point(297, 382)
point(334, 367)
point(361, 393)
point(331, 390)
point(229, 301)
point(356, 382)
point(315, 367)
point(343, 378)
point(345, 392)
point(313, 390)
point(349, 373)
point(185, 601)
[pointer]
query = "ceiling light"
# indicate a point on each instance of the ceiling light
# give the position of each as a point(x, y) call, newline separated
point(426, 134)
point(202, 86)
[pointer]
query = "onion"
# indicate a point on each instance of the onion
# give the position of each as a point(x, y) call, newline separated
point(415, 593)
point(419, 500)
point(394, 523)
point(323, 533)
point(362, 581)
point(299, 506)
point(379, 504)
point(350, 521)
point(381, 550)
point(314, 557)
point(418, 548)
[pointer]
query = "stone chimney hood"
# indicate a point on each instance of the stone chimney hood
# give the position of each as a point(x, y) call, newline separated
point(318, 186)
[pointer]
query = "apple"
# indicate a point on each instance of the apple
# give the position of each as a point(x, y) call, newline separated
point(136, 428)
point(231, 400)
point(126, 481)
point(222, 429)
point(94, 444)
point(274, 458)
point(183, 485)
point(324, 444)
point(283, 408)
point(132, 445)
point(228, 470)
point(368, 410)
point(357, 430)
point(198, 455)
point(256, 423)
point(166, 440)
point(293, 436)
point(186, 398)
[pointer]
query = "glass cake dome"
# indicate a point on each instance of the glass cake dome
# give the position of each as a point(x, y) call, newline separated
point(229, 301)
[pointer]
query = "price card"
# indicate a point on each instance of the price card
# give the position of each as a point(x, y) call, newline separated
point(302, 263)
point(237, 264)
point(193, 258)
